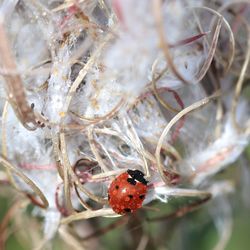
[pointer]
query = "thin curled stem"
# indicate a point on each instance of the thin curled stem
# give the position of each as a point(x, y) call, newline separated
point(231, 37)
point(185, 111)
point(99, 119)
point(164, 103)
point(157, 11)
point(136, 142)
point(81, 200)
point(74, 177)
point(6, 164)
point(211, 52)
point(241, 78)
point(95, 151)
point(83, 73)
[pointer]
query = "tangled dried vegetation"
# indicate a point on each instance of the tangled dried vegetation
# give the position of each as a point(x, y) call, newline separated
point(90, 88)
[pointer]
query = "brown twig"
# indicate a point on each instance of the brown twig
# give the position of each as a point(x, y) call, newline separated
point(13, 84)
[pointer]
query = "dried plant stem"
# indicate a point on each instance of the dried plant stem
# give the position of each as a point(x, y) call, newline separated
point(41, 244)
point(96, 120)
point(157, 9)
point(211, 51)
point(88, 214)
point(55, 143)
point(4, 143)
point(81, 200)
point(137, 142)
point(60, 208)
point(105, 150)
point(184, 209)
point(225, 235)
point(94, 150)
point(101, 231)
point(170, 149)
point(240, 81)
point(232, 40)
point(185, 111)
point(231, 35)
point(66, 5)
point(69, 239)
point(107, 175)
point(219, 117)
point(104, 6)
point(74, 177)
point(163, 102)
point(14, 86)
point(27, 180)
point(83, 73)
point(6, 219)
point(143, 242)
point(66, 179)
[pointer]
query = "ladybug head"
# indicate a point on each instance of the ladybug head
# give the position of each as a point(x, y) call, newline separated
point(137, 175)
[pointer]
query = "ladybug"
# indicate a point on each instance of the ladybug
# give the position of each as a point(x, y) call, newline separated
point(127, 191)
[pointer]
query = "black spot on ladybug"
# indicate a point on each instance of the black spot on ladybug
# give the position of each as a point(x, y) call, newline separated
point(137, 175)
point(142, 196)
point(130, 196)
point(116, 187)
point(108, 197)
point(127, 210)
point(131, 181)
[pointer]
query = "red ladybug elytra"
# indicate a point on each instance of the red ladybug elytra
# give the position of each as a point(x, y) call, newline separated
point(127, 192)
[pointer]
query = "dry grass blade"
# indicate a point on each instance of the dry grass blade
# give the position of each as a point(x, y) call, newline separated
point(88, 214)
point(14, 85)
point(67, 4)
point(4, 142)
point(73, 176)
point(231, 36)
point(5, 220)
point(131, 132)
point(81, 200)
point(83, 73)
point(27, 180)
point(185, 111)
point(95, 151)
point(211, 52)
point(66, 178)
point(163, 102)
point(96, 120)
point(240, 81)
point(69, 239)
point(157, 9)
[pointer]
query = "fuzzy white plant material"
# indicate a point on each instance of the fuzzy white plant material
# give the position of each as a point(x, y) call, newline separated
point(102, 85)
point(124, 69)
point(218, 154)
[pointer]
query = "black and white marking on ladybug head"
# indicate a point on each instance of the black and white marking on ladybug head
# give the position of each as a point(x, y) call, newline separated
point(131, 181)
point(137, 175)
